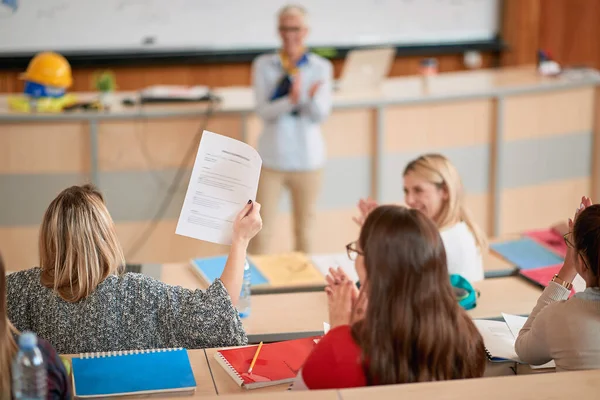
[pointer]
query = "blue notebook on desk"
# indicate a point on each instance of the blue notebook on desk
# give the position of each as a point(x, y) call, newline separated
point(100, 375)
point(525, 253)
point(211, 268)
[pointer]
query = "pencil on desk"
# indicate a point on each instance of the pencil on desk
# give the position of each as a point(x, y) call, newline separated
point(255, 358)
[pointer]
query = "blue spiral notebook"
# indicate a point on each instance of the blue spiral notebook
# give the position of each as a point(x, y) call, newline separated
point(526, 253)
point(211, 268)
point(99, 375)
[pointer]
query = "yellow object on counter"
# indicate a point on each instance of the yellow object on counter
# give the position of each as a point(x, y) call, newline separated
point(45, 105)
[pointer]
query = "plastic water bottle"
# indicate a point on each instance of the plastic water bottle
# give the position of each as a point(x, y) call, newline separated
point(243, 305)
point(28, 370)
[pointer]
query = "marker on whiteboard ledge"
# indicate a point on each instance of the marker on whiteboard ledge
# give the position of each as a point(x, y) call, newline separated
point(149, 41)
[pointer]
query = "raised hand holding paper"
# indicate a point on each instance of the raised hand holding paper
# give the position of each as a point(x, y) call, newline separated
point(224, 178)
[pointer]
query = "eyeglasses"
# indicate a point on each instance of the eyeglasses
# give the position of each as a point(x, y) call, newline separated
point(290, 29)
point(567, 236)
point(353, 252)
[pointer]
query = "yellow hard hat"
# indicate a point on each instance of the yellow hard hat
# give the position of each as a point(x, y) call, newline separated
point(49, 68)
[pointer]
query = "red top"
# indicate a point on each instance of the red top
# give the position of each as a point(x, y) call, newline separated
point(335, 362)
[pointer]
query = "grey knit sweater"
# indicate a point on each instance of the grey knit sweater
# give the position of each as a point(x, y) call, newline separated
point(127, 312)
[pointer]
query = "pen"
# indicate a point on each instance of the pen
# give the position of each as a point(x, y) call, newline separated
point(255, 357)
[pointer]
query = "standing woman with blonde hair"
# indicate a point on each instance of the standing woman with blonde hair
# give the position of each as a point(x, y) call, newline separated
point(57, 385)
point(80, 301)
point(433, 186)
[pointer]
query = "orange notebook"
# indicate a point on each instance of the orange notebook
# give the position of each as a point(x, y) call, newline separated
point(277, 363)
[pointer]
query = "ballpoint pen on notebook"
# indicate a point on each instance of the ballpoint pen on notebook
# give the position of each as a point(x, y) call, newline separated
point(255, 358)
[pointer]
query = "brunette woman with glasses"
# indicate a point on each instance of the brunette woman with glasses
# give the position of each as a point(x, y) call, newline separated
point(405, 324)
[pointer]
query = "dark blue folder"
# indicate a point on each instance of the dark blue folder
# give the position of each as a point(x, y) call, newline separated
point(148, 371)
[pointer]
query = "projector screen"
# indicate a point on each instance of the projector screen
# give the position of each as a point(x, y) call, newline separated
point(134, 26)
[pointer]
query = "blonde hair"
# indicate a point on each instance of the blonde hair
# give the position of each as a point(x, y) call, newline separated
point(8, 346)
point(293, 9)
point(78, 244)
point(437, 169)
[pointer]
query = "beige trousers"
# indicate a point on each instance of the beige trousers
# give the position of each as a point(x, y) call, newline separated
point(304, 190)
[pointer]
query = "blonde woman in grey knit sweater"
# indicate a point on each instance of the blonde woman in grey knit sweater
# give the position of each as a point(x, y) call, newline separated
point(79, 300)
point(568, 331)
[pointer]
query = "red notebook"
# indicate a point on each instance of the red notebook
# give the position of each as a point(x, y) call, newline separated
point(551, 239)
point(543, 276)
point(277, 363)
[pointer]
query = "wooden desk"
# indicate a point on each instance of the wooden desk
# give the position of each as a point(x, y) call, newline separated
point(301, 395)
point(575, 385)
point(181, 274)
point(512, 295)
point(278, 317)
point(495, 266)
point(204, 381)
point(287, 316)
point(273, 317)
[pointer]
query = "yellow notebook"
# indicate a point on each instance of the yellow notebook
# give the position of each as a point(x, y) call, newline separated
point(289, 269)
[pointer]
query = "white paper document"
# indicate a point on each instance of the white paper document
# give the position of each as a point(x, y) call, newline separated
point(515, 324)
point(498, 339)
point(325, 261)
point(225, 176)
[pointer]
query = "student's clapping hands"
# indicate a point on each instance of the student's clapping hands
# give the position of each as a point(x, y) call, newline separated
point(365, 206)
point(343, 298)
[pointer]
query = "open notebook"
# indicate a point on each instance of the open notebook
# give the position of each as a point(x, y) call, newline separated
point(277, 363)
point(119, 373)
point(499, 338)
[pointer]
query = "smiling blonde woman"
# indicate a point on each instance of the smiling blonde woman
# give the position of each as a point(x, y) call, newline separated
point(80, 301)
point(433, 186)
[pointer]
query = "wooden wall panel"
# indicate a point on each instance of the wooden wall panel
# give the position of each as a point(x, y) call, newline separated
point(232, 74)
point(569, 29)
point(520, 31)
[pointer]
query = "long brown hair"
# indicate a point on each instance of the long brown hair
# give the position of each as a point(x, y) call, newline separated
point(586, 233)
point(78, 243)
point(437, 169)
point(413, 329)
point(8, 346)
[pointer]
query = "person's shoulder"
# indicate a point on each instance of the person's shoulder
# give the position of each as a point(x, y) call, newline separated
point(23, 277)
point(459, 233)
point(339, 338)
point(133, 280)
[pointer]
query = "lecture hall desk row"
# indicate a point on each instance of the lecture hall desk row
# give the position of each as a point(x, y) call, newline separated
point(285, 316)
point(176, 274)
point(212, 380)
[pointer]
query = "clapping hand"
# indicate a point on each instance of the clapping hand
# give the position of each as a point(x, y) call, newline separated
point(365, 206)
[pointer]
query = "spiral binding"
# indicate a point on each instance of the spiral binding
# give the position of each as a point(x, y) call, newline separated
point(490, 357)
point(104, 354)
point(224, 360)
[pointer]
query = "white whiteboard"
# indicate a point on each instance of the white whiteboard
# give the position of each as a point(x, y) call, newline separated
point(227, 25)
